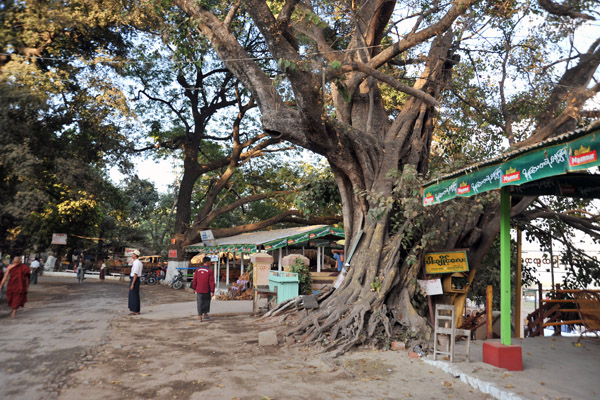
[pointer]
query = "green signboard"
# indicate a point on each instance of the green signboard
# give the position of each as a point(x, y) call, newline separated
point(577, 154)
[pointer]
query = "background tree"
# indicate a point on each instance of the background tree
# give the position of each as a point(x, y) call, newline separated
point(337, 60)
point(63, 119)
point(194, 107)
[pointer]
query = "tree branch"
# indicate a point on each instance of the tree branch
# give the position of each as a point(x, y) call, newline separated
point(235, 57)
point(562, 10)
point(240, 202)
point(236, 230)
point(392, 82)
point(231, 14)
point(168, 104)
point(458, 8)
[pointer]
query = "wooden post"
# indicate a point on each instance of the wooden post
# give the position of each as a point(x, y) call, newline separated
point(518, 294)
point(505, 266)
point(489, 294)
point(540, 294)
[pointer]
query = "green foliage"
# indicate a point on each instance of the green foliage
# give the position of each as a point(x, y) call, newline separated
point(304, 278)
point(63, 119)
point(376, 285)
point(488, 273)
point(318, 194)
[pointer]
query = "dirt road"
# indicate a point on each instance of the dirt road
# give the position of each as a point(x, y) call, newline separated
point(77, 342)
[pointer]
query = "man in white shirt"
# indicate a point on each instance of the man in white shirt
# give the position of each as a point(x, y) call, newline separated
point(35, 267)
point(134, 287)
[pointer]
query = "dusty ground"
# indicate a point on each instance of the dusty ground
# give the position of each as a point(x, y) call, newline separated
point(75, 342)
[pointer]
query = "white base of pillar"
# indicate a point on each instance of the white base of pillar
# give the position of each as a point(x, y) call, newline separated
point(172, 270)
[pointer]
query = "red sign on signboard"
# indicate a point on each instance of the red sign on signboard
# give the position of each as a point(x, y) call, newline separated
point(172, 253)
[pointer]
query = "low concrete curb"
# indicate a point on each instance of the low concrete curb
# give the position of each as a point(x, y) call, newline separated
point(88, 275)
point(483, 386)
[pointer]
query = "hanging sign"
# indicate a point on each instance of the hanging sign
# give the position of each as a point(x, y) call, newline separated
point(172, 253)
point(431, 287)
point(207, 238)
point(129, 251)
point(59, 238)
point(442, 263)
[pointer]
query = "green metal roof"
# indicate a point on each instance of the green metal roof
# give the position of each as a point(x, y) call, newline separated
point(267, 240)
point(572, 151)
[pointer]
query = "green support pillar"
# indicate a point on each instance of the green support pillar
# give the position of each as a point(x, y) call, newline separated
point(505, 266)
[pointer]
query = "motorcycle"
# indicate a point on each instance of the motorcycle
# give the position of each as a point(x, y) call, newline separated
point(178, 281)
point(151, 279)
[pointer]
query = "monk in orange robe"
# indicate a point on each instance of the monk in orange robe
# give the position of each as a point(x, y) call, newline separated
point(18, 275)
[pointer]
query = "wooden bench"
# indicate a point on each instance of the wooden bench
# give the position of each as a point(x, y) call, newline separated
point(588, 306)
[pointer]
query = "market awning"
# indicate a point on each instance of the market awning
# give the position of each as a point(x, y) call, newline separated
point(573, 151)
point(268, 240)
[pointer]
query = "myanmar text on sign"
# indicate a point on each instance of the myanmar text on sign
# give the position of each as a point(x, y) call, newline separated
point(441, 263)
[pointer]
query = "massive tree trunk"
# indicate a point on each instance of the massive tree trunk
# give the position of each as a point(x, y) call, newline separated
point(376, 160)
point(363, 147)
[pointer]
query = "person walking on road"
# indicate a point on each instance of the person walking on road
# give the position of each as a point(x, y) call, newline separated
point(18, 275)
point(204, 286)
point(103, 270)
point(79, 268)
point(134, 286)
point(35, 268)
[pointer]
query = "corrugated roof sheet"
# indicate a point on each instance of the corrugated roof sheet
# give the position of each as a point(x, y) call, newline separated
point(259, 238)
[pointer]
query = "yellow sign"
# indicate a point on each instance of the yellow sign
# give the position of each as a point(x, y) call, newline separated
point(442, 263)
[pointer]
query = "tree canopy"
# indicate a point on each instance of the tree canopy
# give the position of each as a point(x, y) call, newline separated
point(391, 92)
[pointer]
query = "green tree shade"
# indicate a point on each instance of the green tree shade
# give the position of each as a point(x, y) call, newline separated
point(62, 117)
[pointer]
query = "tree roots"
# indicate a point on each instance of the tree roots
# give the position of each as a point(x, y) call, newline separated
point(336, 328)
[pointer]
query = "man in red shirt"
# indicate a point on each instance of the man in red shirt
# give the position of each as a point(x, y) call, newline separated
point(204, 286)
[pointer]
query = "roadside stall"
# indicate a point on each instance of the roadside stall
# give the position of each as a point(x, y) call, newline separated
point(233, 253)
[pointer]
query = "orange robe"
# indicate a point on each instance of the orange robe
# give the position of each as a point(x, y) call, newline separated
point(17, 285)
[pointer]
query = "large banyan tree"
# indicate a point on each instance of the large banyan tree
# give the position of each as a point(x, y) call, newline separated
point(377, 87)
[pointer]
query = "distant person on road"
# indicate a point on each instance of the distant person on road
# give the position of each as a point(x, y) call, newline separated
point(35, 268)
point(103, 270)
point(204, 286)
point(79, 268)
point(134, 287)
point(18, 275)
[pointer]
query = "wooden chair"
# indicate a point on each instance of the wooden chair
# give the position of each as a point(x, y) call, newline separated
point(588, 306)
point(444, 325)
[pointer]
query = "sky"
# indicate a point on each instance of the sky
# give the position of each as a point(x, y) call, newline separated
point(160, 172)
